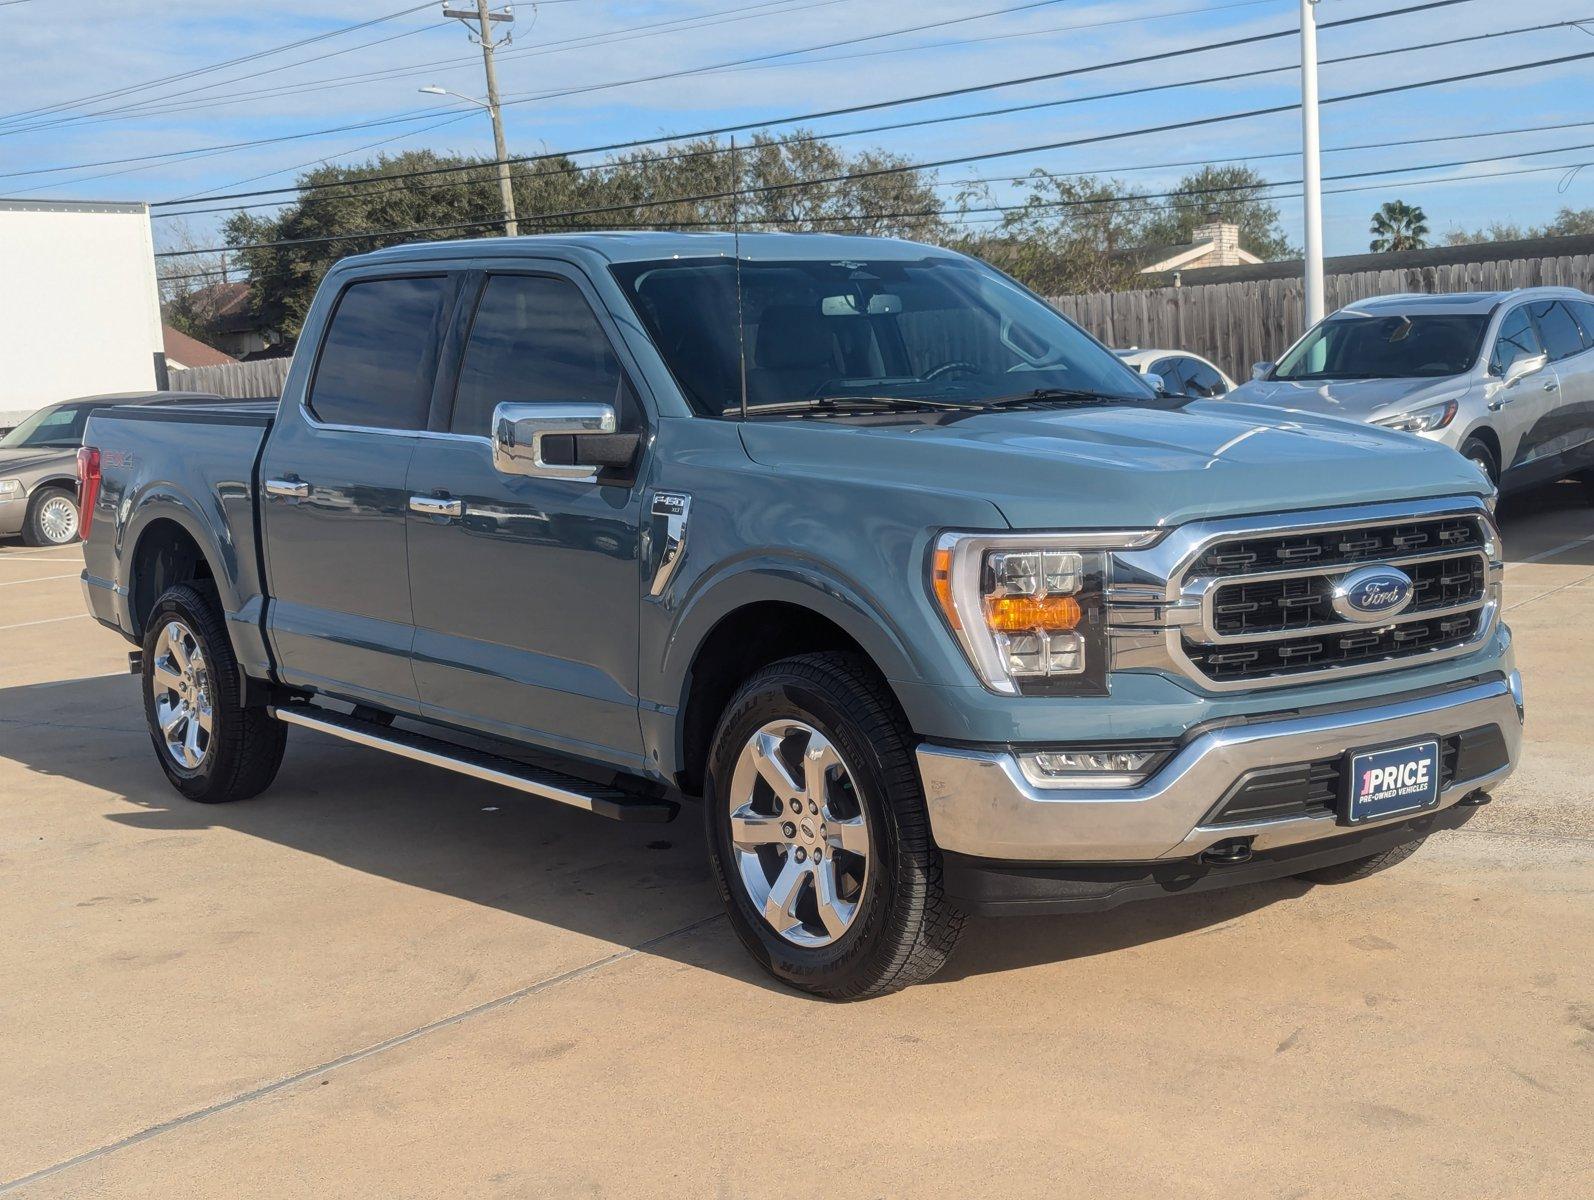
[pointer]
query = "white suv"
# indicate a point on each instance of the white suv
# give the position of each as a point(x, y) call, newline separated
point(1506, 378)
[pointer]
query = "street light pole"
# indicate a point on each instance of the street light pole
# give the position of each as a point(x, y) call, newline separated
point(483, 20)
point(1311, 151)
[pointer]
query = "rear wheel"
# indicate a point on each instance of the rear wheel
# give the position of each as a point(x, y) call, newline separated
point(1361, 868)
point(211, 747)
point(818, 834)
point(52, 518)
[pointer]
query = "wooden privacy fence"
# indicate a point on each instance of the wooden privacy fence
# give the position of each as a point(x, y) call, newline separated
point(1237, 324)
point(244, 380)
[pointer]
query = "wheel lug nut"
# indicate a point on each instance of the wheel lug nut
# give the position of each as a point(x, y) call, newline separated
point(796, 806)
point(801, 854)
point(789, 829)
point(812, 807)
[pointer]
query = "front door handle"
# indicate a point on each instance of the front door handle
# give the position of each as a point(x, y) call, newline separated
point(437, 506)
point(1552, 386)
point(296, 489)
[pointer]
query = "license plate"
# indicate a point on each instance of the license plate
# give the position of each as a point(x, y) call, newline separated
point(1385, 783)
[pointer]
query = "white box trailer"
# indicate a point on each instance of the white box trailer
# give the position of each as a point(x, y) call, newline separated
point(79, 307)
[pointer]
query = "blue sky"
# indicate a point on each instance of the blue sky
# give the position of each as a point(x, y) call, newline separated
point(47, 59)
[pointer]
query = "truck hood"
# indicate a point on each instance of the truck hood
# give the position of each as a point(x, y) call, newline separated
point(1104, 468)
point(1356, 399)
point(24, 459)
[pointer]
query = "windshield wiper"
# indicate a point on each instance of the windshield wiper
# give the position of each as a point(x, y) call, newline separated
point(1054, 395)
point(839, 404)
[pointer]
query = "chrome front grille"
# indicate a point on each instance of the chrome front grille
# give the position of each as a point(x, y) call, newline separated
point(1250, 603)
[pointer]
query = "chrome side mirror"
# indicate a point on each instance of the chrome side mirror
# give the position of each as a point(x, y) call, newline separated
point(521, 433)
point(1262, 370)
point(1523, 367)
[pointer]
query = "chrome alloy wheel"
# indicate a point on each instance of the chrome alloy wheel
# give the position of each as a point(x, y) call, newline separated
point(183, 705)
point(58, 520)
point(798, 833)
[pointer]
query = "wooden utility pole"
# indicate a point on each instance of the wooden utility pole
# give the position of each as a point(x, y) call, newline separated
point(483, 20)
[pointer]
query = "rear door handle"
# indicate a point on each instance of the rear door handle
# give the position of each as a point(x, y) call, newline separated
point(1552, 386)
point(437, 506)
point(296, 489)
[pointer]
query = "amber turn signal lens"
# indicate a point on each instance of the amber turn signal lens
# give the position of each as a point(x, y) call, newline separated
point(1020, 614)
point(941, 579)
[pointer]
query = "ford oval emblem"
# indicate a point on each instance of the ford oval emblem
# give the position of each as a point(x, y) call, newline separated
point(1373, 594)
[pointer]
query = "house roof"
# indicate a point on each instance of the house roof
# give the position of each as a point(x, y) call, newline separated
point(226, 306)
point(1437, 256)
point(191, 352)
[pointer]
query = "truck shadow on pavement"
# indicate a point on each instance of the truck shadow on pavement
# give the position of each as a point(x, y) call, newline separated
point(625, 884)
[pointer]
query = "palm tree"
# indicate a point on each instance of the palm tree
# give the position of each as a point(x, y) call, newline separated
point(1399, 226)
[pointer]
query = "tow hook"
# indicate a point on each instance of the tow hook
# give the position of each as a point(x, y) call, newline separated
point(1228, 854)
point(1476, 800)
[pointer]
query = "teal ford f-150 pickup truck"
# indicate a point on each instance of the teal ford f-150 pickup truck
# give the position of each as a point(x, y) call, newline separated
point(935, 605)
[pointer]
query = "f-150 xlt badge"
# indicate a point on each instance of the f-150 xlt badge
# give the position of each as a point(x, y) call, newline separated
point(1373, 594)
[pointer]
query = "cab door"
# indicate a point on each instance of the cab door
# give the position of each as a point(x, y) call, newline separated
point(527, 590)
point(334, 505)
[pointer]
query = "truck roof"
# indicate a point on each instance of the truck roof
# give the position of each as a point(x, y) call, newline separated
point(619, 246)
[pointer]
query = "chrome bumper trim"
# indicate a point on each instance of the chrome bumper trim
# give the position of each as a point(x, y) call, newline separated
point(981, 805)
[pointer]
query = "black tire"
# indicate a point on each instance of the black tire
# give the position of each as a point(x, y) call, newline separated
point(1477, 450)
point(904, 927)
point(1361, 868)
point(34, 531)
point(244, 746)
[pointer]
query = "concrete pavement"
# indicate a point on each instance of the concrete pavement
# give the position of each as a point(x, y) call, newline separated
point(382, 980)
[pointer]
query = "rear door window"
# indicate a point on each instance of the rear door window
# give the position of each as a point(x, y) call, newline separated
point(1559, 332)
point(1583, 310)
point(534, 340)
point(379, 355)
point(1518, 339)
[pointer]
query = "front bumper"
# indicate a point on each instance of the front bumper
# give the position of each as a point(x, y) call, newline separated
point(981, 806)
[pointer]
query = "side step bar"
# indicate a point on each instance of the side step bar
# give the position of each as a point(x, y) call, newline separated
point(606, 801)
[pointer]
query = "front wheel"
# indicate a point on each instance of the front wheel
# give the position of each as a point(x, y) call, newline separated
point(818, 833)
point(211, 747)
point(1477, 452)
point(1361, 868)
point(52, 518)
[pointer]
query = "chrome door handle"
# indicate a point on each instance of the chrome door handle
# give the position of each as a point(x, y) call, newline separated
point(437, 506)
point(297, 489)
point(1552, 386)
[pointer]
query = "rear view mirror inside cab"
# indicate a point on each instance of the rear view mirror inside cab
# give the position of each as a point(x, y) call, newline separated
point(882, 304)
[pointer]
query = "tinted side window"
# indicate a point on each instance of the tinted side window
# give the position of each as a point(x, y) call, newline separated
point(1518, 339)
point(1560, 333)
point(379, 354)
point(534, 341)
point(1204, 380)
point(1583, 310)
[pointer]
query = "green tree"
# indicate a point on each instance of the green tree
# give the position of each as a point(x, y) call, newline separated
point(1067, 235)
point(647, 189)
point(1399, 226)
point(1569, 222)
point(1232, 193)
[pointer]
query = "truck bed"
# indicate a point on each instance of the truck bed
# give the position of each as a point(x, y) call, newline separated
point(195, 466)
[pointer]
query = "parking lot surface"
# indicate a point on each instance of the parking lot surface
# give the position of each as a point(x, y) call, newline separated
point(382, 980)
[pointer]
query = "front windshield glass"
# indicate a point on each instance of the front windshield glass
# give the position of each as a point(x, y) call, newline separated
point(1357, 347)
point(49, 428)
point(940, 331)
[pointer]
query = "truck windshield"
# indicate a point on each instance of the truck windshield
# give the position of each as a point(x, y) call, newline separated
point(1399, 347)
point(943, 331)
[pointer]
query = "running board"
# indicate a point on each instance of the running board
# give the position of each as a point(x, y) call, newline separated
point(606, 801)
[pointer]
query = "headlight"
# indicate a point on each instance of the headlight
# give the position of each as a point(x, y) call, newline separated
point(10, 489)
point(1030, 611)
point(1424, 420)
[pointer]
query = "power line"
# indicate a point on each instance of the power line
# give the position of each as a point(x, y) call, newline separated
point(950, 214)
point(804, 138)
point(231, 62)
point(144, 108)
point(847, 110)
point(902, 168)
